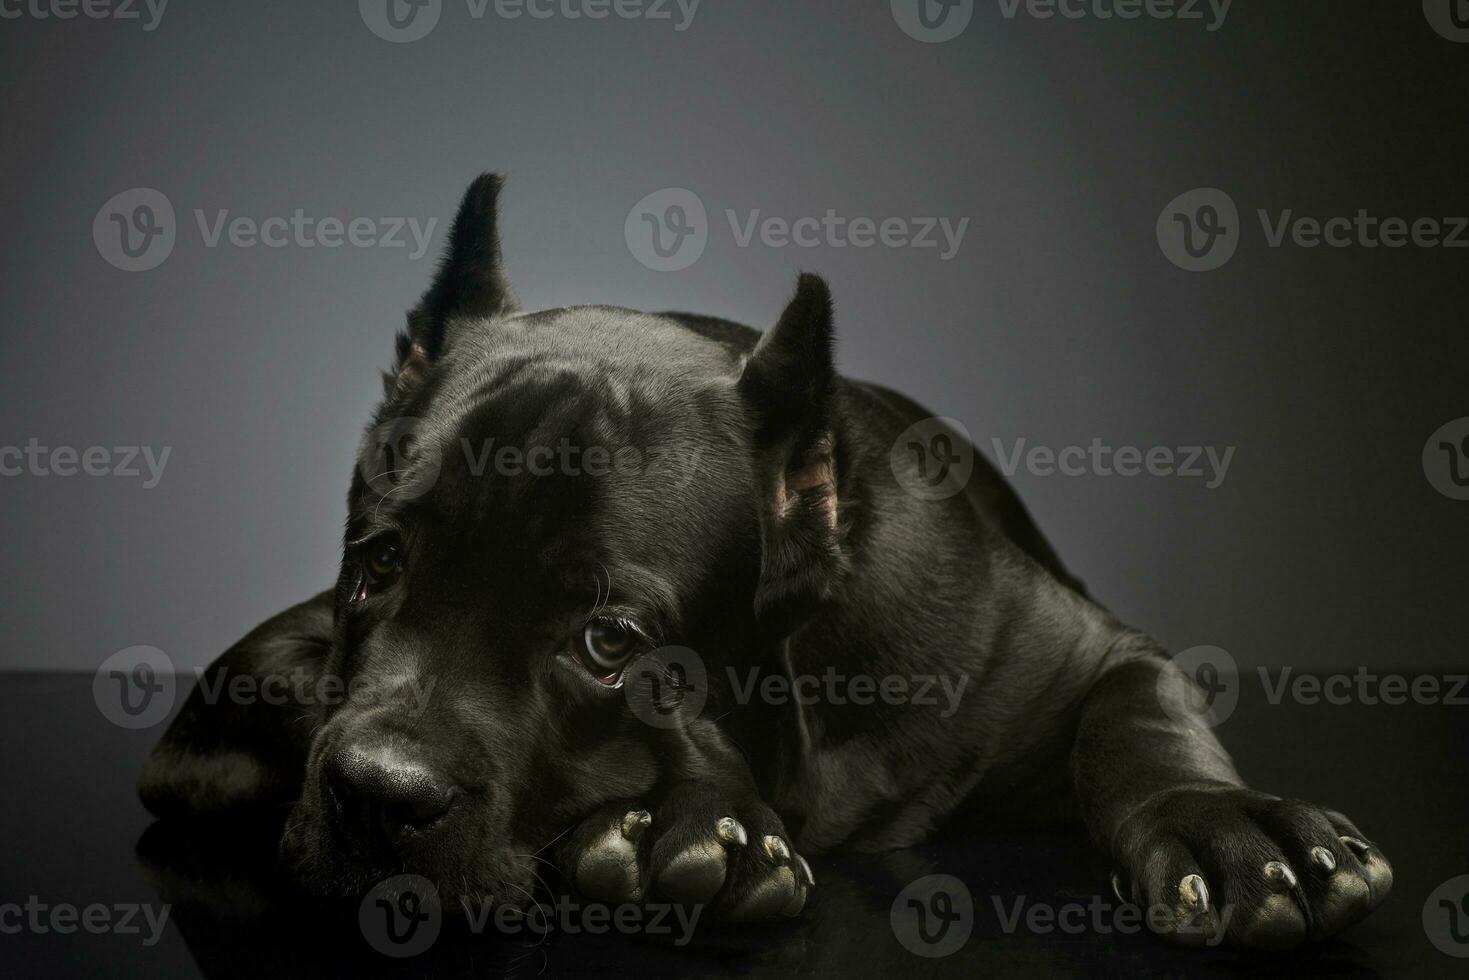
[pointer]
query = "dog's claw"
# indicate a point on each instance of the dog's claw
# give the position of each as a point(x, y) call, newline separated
point(1280, 877)
point(1277, 879)
point(731, 831)
point(635, 824)
point(743, 867)
point(1195, 894)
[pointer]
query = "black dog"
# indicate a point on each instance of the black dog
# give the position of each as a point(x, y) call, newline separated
point(578, 537)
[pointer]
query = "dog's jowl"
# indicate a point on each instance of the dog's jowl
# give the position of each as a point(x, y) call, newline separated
point(579, 633)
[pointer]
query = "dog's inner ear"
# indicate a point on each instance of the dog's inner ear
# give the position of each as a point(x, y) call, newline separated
point(470, 285)
point(787, 383)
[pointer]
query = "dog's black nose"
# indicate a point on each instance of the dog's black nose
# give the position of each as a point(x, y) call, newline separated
point(381, 795)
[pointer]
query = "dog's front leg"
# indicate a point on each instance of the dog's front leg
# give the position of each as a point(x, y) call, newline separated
point(701, 837)
point(1208, 857)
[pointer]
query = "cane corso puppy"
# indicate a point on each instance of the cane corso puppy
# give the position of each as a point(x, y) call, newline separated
point(636, 586)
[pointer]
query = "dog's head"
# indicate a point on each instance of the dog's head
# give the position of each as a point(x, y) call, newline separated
point(541, 500)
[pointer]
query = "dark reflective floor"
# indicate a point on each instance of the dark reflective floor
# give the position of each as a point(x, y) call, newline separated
point(75, 835)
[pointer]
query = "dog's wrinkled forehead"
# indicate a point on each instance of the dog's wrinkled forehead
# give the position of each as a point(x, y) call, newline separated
point(566, 431)
point(615, 379)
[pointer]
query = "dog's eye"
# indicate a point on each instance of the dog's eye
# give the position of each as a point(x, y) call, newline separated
point(382, 563)
point(605, 647)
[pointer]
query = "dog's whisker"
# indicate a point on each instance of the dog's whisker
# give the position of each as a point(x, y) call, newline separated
point(539, 908)
point(608, 572)
point(556, 838)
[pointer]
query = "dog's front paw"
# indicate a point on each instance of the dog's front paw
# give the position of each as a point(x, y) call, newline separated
point(1252, 869)
point(692, 849)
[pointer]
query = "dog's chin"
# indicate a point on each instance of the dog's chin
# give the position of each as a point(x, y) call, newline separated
point(467, 877)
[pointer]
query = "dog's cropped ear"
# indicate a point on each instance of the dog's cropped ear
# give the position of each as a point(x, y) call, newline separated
point(239, 744)
point(470, 284)
point(788, 382)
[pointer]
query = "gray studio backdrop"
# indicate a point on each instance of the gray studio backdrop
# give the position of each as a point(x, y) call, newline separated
point(1090, 301)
